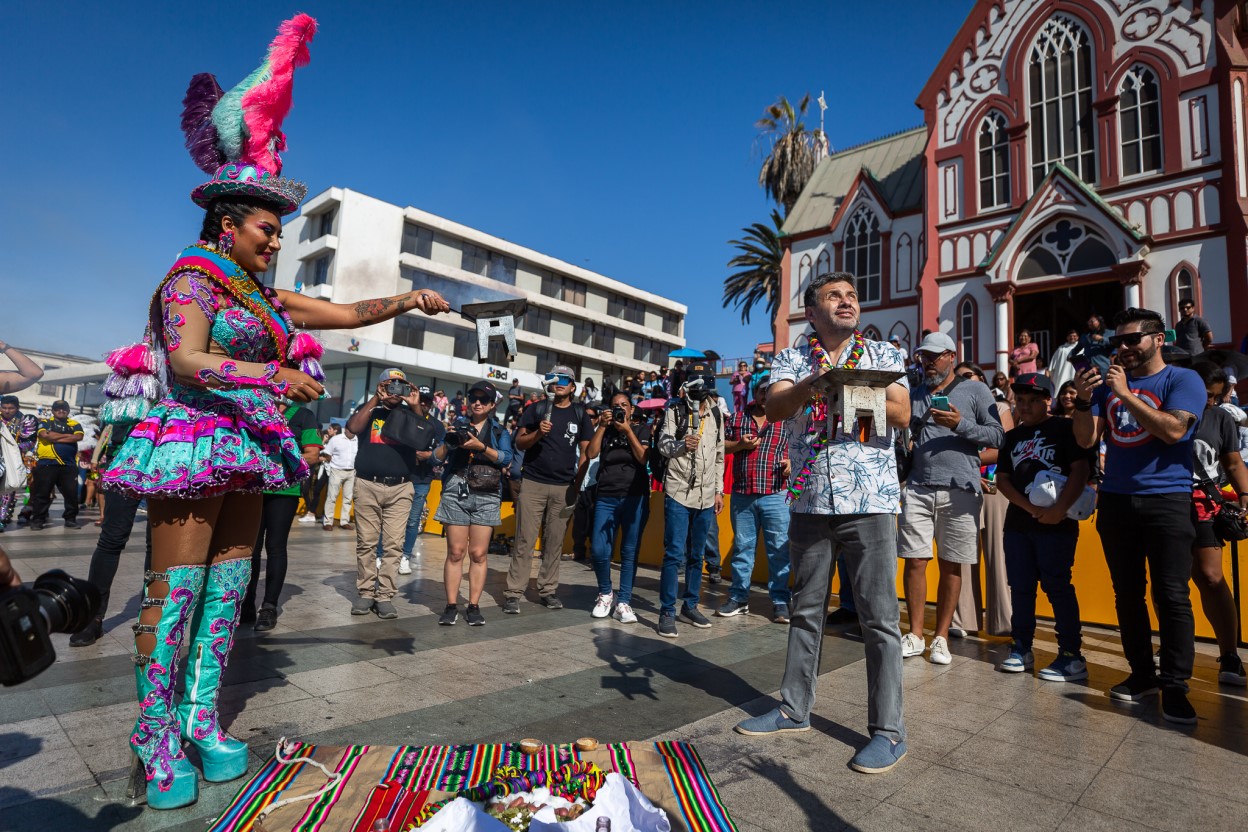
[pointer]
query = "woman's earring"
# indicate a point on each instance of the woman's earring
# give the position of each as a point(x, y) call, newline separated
point(225, 242)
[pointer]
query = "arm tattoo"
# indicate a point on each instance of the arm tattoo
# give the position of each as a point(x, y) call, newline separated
point(369, 310)
point(1183, 416)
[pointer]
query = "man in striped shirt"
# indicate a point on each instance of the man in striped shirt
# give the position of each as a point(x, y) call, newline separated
point(760, 472)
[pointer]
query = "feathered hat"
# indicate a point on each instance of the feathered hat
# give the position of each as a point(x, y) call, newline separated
point(236, 136)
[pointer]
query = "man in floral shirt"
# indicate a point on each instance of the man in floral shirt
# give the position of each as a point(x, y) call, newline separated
point(23, 428)
point(846, 498)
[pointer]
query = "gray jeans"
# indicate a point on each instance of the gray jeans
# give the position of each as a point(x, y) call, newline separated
point(869, 545)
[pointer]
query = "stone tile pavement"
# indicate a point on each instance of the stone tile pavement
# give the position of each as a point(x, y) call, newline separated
point(987, 751)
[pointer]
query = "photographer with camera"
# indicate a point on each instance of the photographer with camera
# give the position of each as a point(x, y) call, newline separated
point(554, 435)
point(56, 603)
point(1217, 464)
point(622, 492)
point(384, 465)
point(476, 452)
point(691, 443)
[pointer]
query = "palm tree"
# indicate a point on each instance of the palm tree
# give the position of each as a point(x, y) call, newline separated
point(793, 155)
point(759, 277)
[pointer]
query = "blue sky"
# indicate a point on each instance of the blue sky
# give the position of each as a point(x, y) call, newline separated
point(615, 136)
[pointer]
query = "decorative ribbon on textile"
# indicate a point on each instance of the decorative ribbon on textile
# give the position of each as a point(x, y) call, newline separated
point(817, 407)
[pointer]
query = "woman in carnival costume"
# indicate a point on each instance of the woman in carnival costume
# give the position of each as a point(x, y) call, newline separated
point(220, 351)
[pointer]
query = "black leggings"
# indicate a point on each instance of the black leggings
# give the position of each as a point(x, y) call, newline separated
point(275, 523)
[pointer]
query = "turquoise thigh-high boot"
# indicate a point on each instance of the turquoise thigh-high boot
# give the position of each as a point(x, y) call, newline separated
point(212, 637)
point(171, 780)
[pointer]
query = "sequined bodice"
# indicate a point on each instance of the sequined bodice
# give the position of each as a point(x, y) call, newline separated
point(242, 335)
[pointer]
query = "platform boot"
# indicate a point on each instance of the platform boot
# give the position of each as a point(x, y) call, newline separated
point(212, 638)
point(161, 775)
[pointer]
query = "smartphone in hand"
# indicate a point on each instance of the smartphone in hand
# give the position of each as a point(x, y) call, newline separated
point(940, 403)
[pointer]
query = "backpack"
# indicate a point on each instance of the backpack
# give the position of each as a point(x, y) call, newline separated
point(655, 458)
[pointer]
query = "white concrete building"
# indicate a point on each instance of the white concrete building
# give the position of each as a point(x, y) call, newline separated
point(37, 399)
point(346, 246)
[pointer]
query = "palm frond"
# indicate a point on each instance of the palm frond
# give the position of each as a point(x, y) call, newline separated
point(758, 261)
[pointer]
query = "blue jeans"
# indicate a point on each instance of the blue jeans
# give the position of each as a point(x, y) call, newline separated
point(847, 586)
point(611, 513)
point(419, 497)
point(1045, 558)
point(748, 512)
point(680, 525)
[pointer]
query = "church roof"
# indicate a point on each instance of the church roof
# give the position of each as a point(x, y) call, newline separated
point(895, 163)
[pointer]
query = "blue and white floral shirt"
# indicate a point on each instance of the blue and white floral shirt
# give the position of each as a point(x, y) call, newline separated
point(848, 476)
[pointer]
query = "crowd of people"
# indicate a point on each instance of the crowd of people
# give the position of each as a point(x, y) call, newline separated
point(208, 426)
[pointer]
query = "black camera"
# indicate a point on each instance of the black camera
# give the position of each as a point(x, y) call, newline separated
point(459, 432)
point(398, 387)
point(56, 604)
point(618, 414)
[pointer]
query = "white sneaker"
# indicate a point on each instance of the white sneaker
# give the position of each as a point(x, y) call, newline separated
point(308, 518)
point(405, 567)
point(624, 614)
point(912, 645)
point(939, 654)
point(602, 608)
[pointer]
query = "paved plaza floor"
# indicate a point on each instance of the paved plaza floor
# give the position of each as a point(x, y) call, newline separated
point(987, 751)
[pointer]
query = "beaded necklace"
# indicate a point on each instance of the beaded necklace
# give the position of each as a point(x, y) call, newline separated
point(817, 407)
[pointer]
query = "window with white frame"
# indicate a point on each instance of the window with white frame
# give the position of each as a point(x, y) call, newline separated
point(966, 330)
point(1060, 87)
point(1139, 120)
point(994, 162)
point(862, 253)
point(803, 279)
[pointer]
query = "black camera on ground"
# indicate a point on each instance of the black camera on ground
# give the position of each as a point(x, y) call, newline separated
point(56, 603)
point(459, 432)
point(398, 387)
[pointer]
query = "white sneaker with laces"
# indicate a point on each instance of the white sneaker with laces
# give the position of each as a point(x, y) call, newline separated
point(939, 654)
point(602, 607)
point(405, 567)
point(308, 518)
point(624, 614)
point(912, 645)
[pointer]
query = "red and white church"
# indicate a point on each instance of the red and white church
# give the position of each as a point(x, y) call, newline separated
point(1077, 156)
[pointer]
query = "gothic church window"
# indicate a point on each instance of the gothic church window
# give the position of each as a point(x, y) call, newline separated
point(994, 163)
point(862, 253)
point(1060, 90)
point(1139, 120)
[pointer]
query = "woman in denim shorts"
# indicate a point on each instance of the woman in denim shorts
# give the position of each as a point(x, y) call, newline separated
point(469, 514)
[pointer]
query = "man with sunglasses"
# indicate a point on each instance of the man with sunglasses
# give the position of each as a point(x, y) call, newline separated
point(1192, 332)
point(553, 436)
point(421, 402)
point(1149, 412)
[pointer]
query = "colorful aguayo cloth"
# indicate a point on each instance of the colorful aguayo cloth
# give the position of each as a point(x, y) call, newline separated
point(397, 782)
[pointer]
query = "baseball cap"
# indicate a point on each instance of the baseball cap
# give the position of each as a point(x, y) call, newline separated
point(894, 339)
point(562, 370)
point(393, 372)
point(937, 342)
point(483, 386)
point(1032, 383)
point(425, 394)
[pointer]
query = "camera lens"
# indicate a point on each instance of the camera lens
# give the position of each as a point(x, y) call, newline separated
point(67, 603)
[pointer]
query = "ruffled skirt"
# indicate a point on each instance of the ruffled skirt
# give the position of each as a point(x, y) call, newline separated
point(196, 444)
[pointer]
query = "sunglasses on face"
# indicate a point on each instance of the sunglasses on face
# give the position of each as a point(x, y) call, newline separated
point(481, 399)
point(562, 381)
point(968, 375)
point(1131, 339)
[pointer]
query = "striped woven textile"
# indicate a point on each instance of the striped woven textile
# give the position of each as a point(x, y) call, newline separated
point(395, 782)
